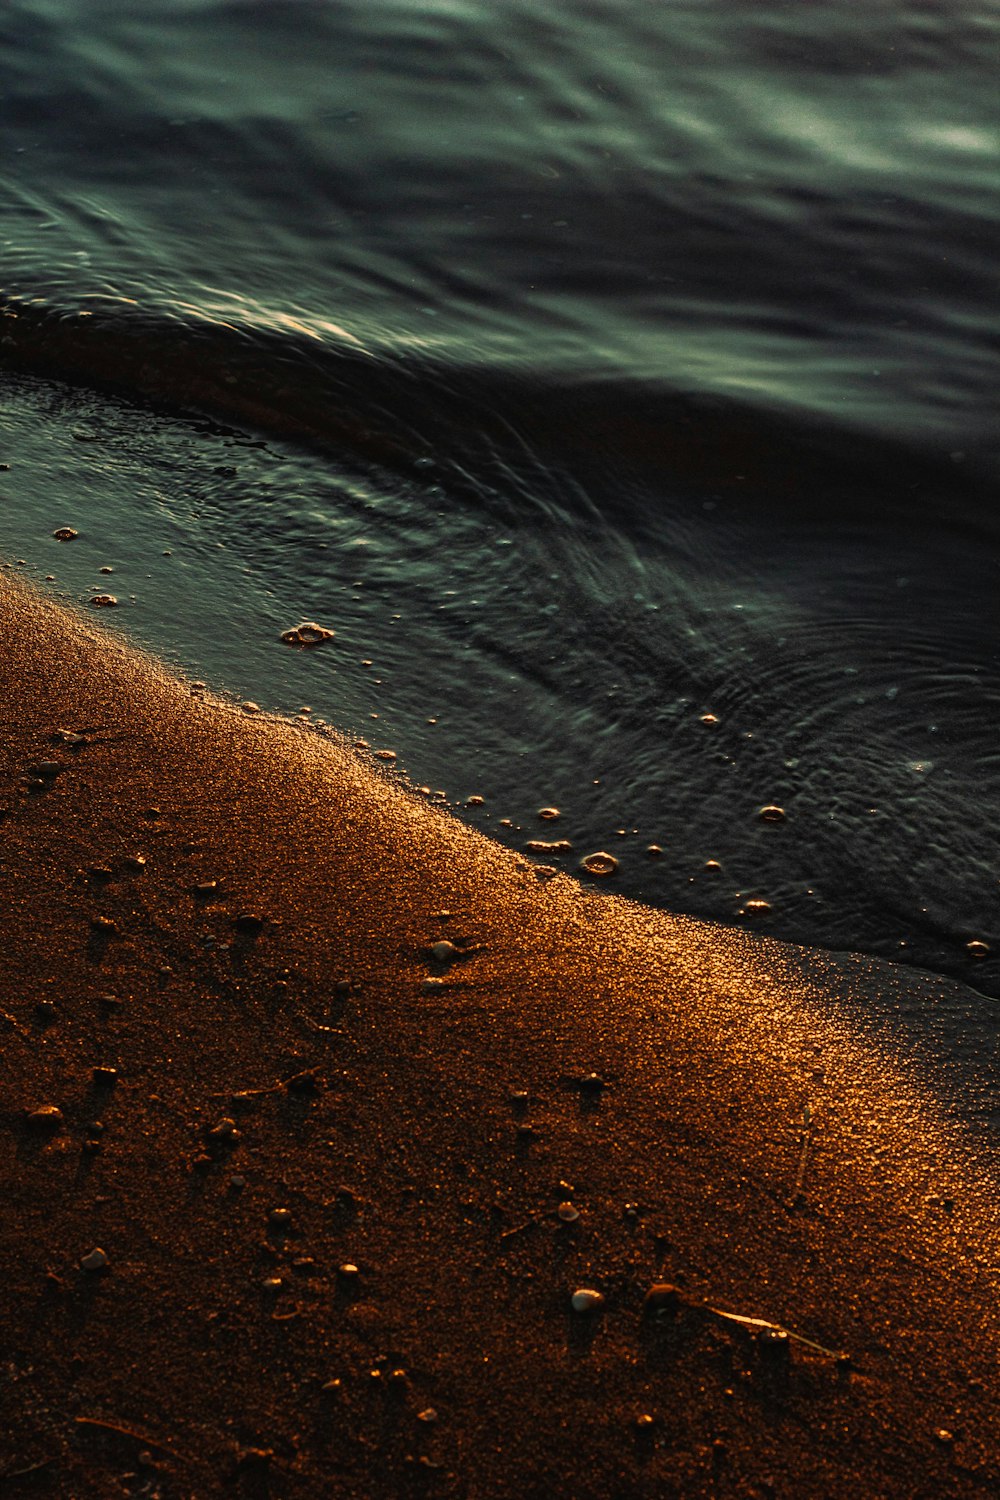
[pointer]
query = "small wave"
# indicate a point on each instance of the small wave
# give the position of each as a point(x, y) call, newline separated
point(477, 427)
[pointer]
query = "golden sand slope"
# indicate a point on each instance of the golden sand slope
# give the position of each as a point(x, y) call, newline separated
point(326, 1170)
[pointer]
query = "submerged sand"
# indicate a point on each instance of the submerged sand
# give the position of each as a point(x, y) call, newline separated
point(327, 1168)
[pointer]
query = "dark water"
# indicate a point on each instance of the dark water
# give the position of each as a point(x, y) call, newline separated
point(617, 380)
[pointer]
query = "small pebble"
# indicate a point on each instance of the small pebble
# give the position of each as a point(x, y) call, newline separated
point(250, 708)
point(102, 924)
point(307, 634)
point(348, 1271)
point(599, 863)
point(977, 949)
point(248, 924)
point(280, 1217)
point(662, 1297)
point(271, 1283)
point(756, 907)
point(568, 1213)
point(548, 814)
point(103, 601)
point(771, 814)
point(474, 801)
point(586, 1300)
point(224, 1130)
point(643, 1422)
point(47, 1117)
point(238, 1181)
point(654, 849)
point(96, 1260)
point(444, 952)
point(65, 534)
point(105, 1077)
point(774, 1345)
point(427, 1415)
point(48, 768)
point(45, 1010)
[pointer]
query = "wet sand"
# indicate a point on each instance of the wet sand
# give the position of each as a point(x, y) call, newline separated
point(325, 1167)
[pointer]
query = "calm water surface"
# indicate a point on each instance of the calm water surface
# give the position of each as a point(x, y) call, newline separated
point(617, 380)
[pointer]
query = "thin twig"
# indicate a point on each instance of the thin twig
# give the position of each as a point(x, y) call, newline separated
point(271, 1088)
point(764, 1325)
point(42, 1463)
point(509, 1234)
point(800, 1175)
point(129, 1432)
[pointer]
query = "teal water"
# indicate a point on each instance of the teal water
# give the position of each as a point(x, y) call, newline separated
point(593, 370)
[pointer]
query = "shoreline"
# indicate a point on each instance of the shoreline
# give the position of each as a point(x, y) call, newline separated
point(232, 919)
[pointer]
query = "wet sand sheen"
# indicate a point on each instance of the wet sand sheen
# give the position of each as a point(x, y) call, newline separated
point(355, 1105)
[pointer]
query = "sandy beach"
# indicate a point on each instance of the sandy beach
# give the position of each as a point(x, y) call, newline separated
point(318, 1108)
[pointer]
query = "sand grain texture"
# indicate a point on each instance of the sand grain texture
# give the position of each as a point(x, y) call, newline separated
point(282, 1039)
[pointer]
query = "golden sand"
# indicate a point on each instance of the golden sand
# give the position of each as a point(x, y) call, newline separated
point(342, 1105)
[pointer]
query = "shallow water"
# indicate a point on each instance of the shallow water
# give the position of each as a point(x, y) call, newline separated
point(617, 381)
